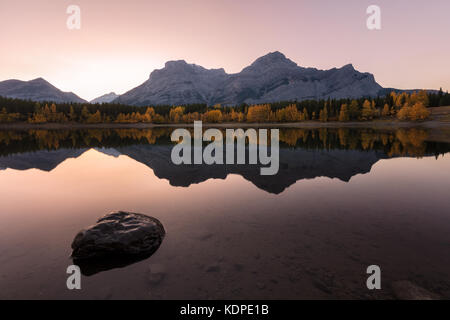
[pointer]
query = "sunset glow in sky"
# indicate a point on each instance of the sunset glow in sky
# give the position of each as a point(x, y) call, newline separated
point(121, 42)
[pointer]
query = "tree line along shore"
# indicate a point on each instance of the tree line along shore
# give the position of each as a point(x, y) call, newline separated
point(403, 106)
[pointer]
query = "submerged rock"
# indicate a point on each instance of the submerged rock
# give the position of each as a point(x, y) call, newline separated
point(406, 290)
point(119, 234)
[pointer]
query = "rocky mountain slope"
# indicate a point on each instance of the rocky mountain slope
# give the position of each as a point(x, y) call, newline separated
point(36, 90)
point(106, 98)
point(270, 78)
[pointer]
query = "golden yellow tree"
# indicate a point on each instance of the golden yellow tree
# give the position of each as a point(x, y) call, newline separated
point(259, 113)
point(213, 116)
point(403, 113)
point(344, 114)
point(305, 114)
point(386, 110)
point(95, 117)
point(418, 112)
point(176, 114)
point(422, 97)
point(323, 114)
point(368, 110)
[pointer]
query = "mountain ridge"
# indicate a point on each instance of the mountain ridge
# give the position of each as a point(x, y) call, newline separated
point(106, 98)
point(37, 89)
point(270, 78)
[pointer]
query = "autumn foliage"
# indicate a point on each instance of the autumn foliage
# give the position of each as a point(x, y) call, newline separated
point(402, 106)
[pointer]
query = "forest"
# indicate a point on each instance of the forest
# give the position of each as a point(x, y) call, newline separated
point(403, 106)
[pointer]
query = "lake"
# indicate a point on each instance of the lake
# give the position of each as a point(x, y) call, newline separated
point(343, 199)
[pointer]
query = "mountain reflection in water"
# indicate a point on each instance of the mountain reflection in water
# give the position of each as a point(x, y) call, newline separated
point(304, 153)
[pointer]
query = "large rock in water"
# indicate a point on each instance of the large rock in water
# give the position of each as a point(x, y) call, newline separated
point(119, 234)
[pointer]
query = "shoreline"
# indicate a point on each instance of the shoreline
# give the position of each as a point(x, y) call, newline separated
point(378, 124)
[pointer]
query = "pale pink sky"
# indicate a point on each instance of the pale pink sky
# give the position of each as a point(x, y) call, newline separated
point(121, 42)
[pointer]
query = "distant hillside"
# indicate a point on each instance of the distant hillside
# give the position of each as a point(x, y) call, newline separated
point(106, 98)
point(36, 90)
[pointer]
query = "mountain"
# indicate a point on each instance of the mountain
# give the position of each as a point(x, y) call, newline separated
point(106, 98)
point(270, 78)
point(177, 83)
point(36, 90)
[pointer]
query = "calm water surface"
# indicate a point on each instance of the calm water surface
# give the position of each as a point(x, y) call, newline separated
point(343, 200)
